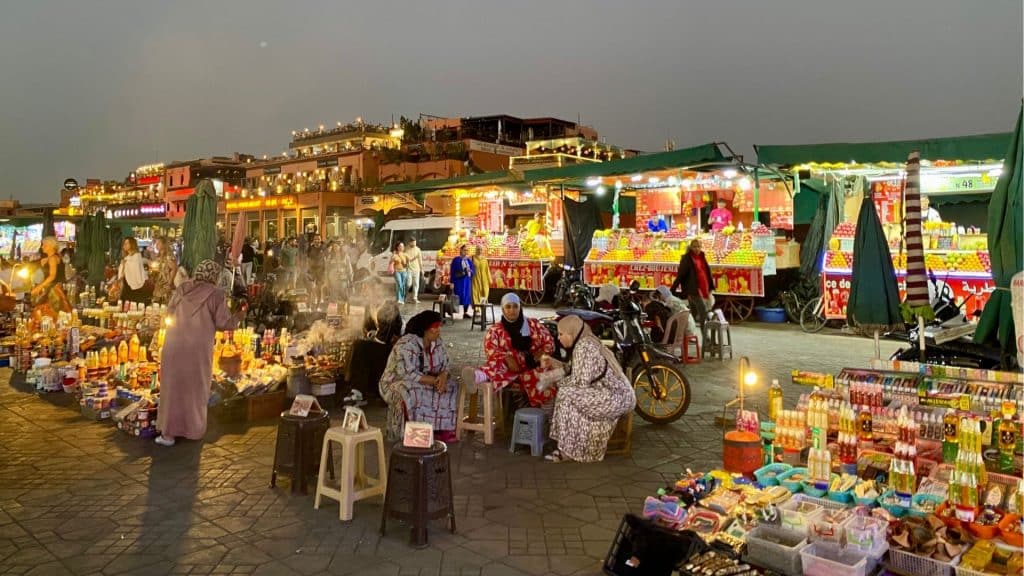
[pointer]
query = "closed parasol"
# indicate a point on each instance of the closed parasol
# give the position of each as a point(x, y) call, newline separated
point(199, 231)
point(917, 309)
point(874, 304)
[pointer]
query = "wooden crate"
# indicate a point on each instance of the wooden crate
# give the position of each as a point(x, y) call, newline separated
point(264, 406)
point(621, 442)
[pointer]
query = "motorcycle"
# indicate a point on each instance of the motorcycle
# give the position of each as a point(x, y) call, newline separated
point(571, 289)
point(662, 390)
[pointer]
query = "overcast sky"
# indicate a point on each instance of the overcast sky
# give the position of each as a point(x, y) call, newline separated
point(95, 88)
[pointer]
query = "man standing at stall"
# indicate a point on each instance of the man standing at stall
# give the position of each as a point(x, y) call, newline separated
point(928, 213)
point(720, 217)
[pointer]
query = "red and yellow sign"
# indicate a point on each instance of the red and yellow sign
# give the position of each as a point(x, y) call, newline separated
point(725, 280)
point(971, 291)
point(505, 274)
point(268, 203)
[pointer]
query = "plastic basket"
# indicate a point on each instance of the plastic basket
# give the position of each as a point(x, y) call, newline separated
point(794, 486)
point(919, 498)
point(896, 511)
point(867, 535)
point(823, 560)
point(659, 549)
point(776, 549)
point(914, 565)
point(824, 528)
point(769, 475)
point(817, 490)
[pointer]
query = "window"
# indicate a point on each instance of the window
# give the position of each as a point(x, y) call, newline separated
point(270, 225)
point(291, 226)
point(253, 224)
point(431, 238)
point(310, 220)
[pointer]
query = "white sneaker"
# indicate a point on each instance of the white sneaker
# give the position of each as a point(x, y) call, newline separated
point(163, 441)
point(415, 300)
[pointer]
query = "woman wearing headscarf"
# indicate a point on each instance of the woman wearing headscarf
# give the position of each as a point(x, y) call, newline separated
point(461, 274)
point(606, 297)
point(415, 383)
point(197, 310)
point(164, 271)
point(481, 282)
point(513, 348)
point(592, 396)
point(662, 307)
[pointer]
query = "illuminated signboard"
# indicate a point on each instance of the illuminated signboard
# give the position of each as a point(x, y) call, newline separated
point(262, 203)
point(137, 211)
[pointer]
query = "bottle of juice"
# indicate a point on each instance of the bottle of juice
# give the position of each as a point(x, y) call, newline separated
point(950, 437)
point(774, 401)
point(1007, 438)
point(864, 425)
point(133, 348)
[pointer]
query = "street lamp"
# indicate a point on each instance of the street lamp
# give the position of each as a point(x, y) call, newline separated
point(746, 378)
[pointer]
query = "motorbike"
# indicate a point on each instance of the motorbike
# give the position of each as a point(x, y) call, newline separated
point(662, 390)
point(571, 289)
point(948, 339)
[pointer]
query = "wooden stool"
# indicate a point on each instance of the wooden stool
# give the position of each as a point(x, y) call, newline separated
point(621, 441)
point(355, 484)
point(472, 421)
point(298, 440)
point(419, 490)
point(480, 313)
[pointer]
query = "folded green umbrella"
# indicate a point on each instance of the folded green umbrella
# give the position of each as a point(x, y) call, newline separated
point(874, 304)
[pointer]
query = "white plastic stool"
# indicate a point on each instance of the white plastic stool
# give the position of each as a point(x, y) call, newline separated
point(471, 421)
point(355, 484)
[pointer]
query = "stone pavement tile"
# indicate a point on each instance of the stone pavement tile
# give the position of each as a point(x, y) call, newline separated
point(308, 563)
point(573, 564)
point(49, 569)
point(131, 563)
point(274, 568)
point(487, 532)
point(500, 569)
point(529, 564)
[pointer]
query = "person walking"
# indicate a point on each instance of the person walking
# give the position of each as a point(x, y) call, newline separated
point(461, 273)
point(415, 268)
point(197, 310)
point(399, 264)
point(131, 274)
point(693, 280)
point(482, 278)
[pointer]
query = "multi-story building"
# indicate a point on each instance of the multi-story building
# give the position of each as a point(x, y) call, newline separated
point(181, 178)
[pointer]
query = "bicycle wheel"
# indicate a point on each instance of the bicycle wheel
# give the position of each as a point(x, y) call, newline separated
point(812, 317)
point(791, 303)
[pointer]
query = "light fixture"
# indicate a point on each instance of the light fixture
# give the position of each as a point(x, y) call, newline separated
point(745, 184)
point(729, 173)
point(618, 184)
point(672, 181)
point(746, 378)
point(637, 178)
point(595, 181)
point(599, 191)
point(652, 180)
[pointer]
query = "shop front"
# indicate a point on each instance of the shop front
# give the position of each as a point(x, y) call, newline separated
point(272, 218)
point(957, 174)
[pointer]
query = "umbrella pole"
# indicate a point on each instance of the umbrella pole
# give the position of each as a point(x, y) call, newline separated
point(878, 351)
point(920, 336)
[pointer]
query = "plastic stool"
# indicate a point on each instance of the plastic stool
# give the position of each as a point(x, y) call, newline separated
point(438, 306)
point(480, 313)
point(419, 490)
point(717, 339)
point(355, 484)
point(687, 358)
point(298, 440)
point(528, 428)
point(472, 421)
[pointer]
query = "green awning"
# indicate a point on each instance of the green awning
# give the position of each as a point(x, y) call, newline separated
point(978, 147)
point(683, 158)
point(473, 180)
point(943, 199)
point(805, 202)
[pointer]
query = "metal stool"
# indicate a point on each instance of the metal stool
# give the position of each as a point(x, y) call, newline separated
point(528, 428)
point(480, 313)
point(419, 489)
point(299, 440)
point(717, 339)
point(355, 484)
point(438, 306)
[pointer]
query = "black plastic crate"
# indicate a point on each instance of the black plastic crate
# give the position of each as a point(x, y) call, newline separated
point(658, 549)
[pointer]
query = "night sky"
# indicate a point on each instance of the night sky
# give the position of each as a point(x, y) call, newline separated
point(95, 88)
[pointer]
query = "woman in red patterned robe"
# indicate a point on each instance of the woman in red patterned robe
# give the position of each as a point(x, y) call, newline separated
point(513, 347)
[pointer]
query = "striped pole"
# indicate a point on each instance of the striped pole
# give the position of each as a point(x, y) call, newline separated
point(917, 276)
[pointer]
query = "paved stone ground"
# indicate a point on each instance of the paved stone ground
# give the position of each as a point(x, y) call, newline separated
point(79, 497)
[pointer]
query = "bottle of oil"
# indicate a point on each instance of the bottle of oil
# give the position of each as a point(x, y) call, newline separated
point(774, 401)
point(950, 437)
point(864, 426)
point(1007, 432)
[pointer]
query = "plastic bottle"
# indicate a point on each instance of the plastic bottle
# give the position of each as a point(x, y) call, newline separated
point(774, 400)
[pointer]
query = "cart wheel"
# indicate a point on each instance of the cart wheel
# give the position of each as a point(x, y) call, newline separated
point(738, 309)
point(531, 297)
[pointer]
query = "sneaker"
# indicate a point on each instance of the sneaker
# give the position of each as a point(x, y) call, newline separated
point(164, 441)
point(415, 300)
point(401, 302)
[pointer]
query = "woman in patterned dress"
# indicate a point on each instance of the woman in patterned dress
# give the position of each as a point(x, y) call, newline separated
point(163, 271)
point(513, 348)
point(592, 397)
point(416, 384)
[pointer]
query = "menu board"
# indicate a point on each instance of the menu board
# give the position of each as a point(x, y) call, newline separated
point(771, 196)
point(666, 201)
point(491, 215)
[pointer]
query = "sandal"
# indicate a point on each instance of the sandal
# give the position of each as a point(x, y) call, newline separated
point(555, 456)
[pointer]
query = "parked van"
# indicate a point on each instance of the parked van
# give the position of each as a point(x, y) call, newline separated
point(430, 232)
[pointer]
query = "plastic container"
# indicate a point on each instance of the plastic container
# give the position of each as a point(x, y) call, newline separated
point(769, 475)
point(821, 559)
point(867, 535)
point(983, 532)
point(914, 565)
point(829, 526)
point(776, 549)
point(793, 486)
point(1010, 537)
point(896, 511)
point(770, 315)
point(915, 502)
point(845, 497)
point(798, 512)
point(817, 490)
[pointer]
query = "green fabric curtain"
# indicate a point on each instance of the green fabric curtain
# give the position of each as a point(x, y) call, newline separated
point(874, 304)
point(1005, 234)
point(977, 147)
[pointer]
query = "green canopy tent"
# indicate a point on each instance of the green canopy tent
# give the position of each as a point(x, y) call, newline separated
point(98, 245)
point(874, 304)
point(1005, 233)
point(83, 242)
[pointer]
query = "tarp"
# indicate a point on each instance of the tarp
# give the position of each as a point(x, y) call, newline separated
point(682, 158)
point(580, 220)
point(1005, 231)
point(978, 147)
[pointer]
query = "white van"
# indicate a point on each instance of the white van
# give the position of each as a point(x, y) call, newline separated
point(430, 232)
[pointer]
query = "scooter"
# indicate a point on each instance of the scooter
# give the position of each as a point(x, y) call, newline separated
point(571, 289)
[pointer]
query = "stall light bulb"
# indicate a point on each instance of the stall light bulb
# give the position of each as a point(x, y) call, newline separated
point(618, 184)
point(729, 173)
point(599, 191)
point(637, 178)
point(750, 378)
point(23, 273)
point(746, 184)
point(168, 321)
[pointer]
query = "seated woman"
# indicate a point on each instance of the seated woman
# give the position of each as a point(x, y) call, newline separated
point(415, 383)
point(592, 397)
point(663, 306)
point(513, 348)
